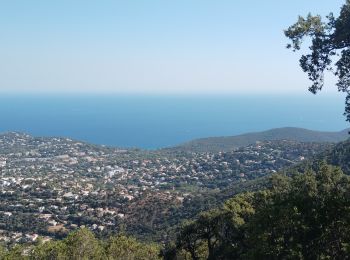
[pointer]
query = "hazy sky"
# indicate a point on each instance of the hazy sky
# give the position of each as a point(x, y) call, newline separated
point(152, 46)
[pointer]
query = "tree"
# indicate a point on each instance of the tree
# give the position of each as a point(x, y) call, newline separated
point(189, 240)
point(2, 252)
point(127, 248)
point(309, 220)
point(82, 245)
point(330, 49)
point(54, 250)
point(301, 216)
point(16, 253)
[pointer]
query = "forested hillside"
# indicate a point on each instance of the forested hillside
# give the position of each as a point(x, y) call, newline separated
point(229, 143)
point(339, 156)
point(305, 216)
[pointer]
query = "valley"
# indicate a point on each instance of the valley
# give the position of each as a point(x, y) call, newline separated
point(51, 186)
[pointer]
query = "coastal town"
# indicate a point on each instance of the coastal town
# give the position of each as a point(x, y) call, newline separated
point(51, 186)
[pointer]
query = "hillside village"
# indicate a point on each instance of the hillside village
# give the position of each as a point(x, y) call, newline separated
point(50, 186)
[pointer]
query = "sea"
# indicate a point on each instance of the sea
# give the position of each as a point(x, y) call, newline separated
point(157, 121)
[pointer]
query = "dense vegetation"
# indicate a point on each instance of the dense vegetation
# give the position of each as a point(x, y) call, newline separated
point(82, 244)
point(305, 216)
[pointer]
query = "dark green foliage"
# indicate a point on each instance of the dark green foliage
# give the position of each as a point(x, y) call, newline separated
point(339, 155)
point(82, 245)
point(330, 48)
point(306, 216)
point(126, 248)
point(54, 250)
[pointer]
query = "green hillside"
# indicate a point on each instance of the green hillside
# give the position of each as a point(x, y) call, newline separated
point(338, 156)
point(217, 144)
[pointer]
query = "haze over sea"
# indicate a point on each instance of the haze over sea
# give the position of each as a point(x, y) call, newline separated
point(159, 121)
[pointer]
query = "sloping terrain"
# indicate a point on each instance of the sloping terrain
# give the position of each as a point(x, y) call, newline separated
point(218, 144)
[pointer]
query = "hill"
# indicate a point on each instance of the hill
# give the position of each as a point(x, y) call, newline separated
point(339, 156)
point(229, 143)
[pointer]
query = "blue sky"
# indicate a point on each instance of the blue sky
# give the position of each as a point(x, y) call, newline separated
point(152, 46)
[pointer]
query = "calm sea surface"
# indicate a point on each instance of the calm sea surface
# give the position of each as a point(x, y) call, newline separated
point(160, 121)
